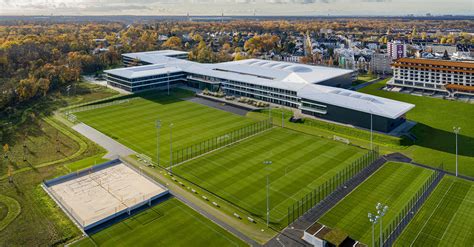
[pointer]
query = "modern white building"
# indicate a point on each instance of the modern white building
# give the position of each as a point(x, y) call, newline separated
point(315, 90)
point(447, 77)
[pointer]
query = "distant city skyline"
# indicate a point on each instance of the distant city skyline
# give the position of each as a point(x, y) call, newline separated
point(236, 7)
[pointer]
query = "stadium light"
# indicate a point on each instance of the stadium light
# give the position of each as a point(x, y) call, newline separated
point(266, 163)
point(158, 127)
point(269, 111)
point(373, 219)
point(282, 118)
point(381, 211)
point(371, 131)
point(171, 148)
point(456, 132)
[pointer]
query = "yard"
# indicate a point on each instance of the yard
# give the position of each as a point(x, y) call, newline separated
point(169, 223)
point(134, 123)
point(393, 185)
point(296, 163)
point(436, 118)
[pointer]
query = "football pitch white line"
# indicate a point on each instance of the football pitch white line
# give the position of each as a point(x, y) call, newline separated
point(207, 225)
point(432, 213)
point(454, 216)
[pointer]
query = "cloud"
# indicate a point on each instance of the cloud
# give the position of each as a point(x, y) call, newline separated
point(229, 7)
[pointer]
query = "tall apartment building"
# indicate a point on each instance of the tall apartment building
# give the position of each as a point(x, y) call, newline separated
point(396, 49)
point(447, 77)
point(381, 63)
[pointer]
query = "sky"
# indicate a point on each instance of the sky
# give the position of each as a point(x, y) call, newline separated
point(236, 7)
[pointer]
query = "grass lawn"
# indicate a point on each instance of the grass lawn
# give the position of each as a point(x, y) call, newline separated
point(300, 163)
point(41, 146)
point(169, 223)
point(85, 163)
point(363, 78)
point(434, 131)
point(41, 222)
point(85, 92)
point(446, 218)
point(393, 185)
point(134, 123)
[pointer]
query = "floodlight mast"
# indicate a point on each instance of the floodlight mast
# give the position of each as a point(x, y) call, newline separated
point(266, 163)
point(456, 132)
point(373, 219)
point(171, 148)
point(381, 211)
point(158, 127)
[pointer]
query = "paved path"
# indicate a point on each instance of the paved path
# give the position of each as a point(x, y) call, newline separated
point(113, 147)
point(216, 220)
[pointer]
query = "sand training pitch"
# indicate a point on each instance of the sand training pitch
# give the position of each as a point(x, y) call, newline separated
point(97, 195)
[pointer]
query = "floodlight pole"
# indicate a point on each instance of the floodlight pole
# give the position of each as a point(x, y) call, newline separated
point(266, 163)
point(373, 219)
point(373, 234)
point(371, 132)
point(269, 111)
point(381, 210)
point(158, 126)
point(282, 118)
point(171, 148)
point(456, 132)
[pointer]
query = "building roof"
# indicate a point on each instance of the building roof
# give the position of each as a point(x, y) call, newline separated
point(436, 62)
point(356, 101)
point(154, 57)
point(283, 71)
point(142, 71)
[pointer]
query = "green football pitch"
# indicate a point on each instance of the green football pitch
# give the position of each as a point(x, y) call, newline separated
point(134, 123)
point(169, 223)
point(300, 163)
point(446, 218)
point(393, 185)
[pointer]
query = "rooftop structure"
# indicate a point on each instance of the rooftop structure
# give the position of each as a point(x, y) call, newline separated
point(151, 57)
point(315, 90)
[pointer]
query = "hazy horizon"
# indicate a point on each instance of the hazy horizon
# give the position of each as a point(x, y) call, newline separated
point(237, 7)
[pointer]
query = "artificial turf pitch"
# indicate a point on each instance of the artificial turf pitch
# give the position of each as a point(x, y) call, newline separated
point(393, 185)
point(300, 163)
point(134, 123)
point(446, 218)
point(169, 223)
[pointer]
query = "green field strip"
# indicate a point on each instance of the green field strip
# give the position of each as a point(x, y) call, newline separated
point(300, 163)
point(133, 124)
point(394, 184)
point(446, 218)
point(169, 223)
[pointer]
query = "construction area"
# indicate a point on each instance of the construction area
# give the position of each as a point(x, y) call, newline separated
point(103, 192)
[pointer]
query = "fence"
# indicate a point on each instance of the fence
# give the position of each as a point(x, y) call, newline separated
point(192, 151)
point(398, 224)
point(336, 182)
point(97, 106)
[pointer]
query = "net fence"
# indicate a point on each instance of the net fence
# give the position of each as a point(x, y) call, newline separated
point(336, 182)
point(195, 150)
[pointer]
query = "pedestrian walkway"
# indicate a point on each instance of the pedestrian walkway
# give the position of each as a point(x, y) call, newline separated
point(113, 147)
